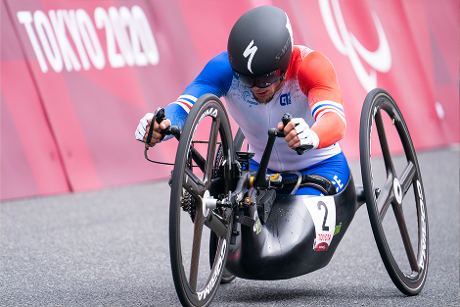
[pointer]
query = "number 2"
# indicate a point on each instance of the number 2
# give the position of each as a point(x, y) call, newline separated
point(322, 204)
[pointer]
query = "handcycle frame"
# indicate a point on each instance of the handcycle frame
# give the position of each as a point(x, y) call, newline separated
point(282, 246)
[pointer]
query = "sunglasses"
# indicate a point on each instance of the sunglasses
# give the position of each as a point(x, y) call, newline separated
point(261, 81)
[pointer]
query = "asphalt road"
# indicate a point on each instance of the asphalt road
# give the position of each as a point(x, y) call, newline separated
point(110, 248)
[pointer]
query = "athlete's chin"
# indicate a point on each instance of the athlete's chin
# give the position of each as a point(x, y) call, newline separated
point(265, 95)
point(263, 100)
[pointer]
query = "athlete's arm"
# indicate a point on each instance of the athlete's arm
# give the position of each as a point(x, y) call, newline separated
point(318, 80)
point(215, 78)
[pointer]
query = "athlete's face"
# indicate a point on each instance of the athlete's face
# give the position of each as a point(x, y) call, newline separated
point(266, 94)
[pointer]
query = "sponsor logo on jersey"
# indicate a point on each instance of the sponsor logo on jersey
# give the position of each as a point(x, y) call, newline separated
point(247, 97)
point(285, 99)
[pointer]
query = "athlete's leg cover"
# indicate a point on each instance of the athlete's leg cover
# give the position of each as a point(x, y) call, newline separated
point(334, 168)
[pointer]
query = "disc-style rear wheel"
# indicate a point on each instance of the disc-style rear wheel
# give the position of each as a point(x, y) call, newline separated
point(395, 201)
point(196, 185)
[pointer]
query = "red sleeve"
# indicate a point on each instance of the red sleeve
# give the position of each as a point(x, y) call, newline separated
point(318, 81)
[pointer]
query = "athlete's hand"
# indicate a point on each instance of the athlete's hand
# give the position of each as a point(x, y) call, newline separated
point(298, 133)
point(144, 126)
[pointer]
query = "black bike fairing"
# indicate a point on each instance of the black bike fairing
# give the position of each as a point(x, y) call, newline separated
point(283, 247)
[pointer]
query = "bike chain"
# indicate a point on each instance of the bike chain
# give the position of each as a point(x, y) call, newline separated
point(188, 204)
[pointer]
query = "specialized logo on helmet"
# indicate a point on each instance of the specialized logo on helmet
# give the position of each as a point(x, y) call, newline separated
point(250, 51)
point(289, 42)
point(289, 28)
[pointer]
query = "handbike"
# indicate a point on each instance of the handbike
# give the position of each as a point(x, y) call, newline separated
point(221, 208)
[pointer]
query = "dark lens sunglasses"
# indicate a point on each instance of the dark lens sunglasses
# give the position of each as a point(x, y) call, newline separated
point(261, 81)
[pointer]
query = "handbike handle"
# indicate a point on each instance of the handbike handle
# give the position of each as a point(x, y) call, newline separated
point(299, 149)
point(261, 180)
point(159, 116)
point(303, 148)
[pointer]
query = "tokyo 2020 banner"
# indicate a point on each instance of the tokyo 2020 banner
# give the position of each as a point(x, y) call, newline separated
point(76, 77)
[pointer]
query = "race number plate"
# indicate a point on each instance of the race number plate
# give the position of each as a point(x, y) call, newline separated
point(323, 213)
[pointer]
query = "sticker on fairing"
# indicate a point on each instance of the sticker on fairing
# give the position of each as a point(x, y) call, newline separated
point(323, 213)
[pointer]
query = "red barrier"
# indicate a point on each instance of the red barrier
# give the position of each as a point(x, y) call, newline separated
point(30, 161)
point(78, 75)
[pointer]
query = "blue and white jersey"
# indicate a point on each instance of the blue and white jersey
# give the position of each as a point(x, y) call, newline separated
point(254, 118)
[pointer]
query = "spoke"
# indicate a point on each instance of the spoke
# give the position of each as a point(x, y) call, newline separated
point(407, 176)
point(405, 237)
point(193, 184)
point(211, 150)
point(384, 144)
point(198, 158)
point(196, 247)
point(385, 198)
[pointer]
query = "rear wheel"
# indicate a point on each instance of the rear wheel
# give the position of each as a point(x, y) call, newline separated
point(396, 201)
point(227, 277)
point(195, 185)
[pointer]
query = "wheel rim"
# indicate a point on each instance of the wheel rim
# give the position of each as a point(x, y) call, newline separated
point(195, 283)
point(391, 201)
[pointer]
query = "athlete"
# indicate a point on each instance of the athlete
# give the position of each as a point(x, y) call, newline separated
point(262, 76)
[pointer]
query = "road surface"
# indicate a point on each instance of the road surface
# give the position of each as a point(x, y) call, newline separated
point(110, 248)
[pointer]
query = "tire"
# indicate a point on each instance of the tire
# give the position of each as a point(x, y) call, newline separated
point(227, 277)
point(191, 185)
point(405, 256)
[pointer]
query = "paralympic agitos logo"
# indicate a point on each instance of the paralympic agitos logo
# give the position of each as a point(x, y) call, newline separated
point(347, 44)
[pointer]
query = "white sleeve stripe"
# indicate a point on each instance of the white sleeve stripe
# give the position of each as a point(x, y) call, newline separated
point(188, 103)
point(188, 97)
point(324, 108)
point(184, 106)
point(319, 115)
point(329, 102)
point(326, 104)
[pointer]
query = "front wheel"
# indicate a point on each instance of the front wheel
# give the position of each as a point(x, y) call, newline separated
point(396, 201)
point(196, 184)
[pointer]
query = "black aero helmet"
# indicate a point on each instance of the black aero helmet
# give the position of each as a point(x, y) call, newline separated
point(260, 42)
